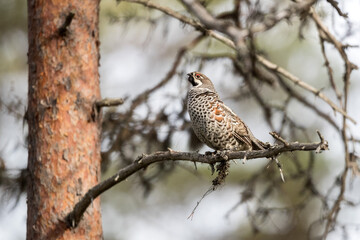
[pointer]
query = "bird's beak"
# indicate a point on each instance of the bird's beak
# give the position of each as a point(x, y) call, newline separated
point(191, 79)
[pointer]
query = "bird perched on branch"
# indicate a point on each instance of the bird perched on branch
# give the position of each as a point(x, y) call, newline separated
point(213, 122)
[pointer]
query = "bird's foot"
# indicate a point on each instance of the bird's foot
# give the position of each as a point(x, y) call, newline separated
point(223, 154)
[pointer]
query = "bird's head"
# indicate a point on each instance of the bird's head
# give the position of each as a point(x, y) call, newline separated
point(199, 80)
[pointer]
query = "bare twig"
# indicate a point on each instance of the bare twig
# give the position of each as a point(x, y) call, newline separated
point(210, 190)
point(223, 170)
point(329, 69)
point(338, 45)
point(278, 137)
point(335, 4)
point(294, 94)
point(302, 84)
point(198, 26)
point(109, 102)
point(280, 168)
point(144, 96)
point(211, 22)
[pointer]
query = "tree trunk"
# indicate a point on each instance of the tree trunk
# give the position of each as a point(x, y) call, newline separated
point(64, 127)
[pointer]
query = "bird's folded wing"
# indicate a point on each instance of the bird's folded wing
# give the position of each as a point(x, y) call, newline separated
point(239, 129)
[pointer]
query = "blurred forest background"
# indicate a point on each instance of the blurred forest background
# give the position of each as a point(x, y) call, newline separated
point(145, 55)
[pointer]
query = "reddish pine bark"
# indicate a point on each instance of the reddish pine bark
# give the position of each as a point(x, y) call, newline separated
point(64, 129)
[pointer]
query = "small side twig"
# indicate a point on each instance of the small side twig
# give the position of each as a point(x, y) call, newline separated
point(280, 168)
point(109, 102)
point(278, 137)
point(198, 203)
point(335, 5)
point(64, 27)
point(223, 170)
point(324, 145)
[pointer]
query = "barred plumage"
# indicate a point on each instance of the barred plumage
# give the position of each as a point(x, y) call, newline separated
point(213, 122)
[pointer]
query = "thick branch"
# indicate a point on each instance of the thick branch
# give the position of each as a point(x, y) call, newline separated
point(143, 161)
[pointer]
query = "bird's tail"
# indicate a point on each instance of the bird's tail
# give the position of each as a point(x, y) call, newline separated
point(259, 145)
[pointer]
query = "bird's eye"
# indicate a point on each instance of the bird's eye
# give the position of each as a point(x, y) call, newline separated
point(197, 75)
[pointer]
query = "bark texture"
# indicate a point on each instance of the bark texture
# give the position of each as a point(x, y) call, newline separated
point(64, 127)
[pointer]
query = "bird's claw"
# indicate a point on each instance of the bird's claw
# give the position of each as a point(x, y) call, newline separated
point(223, 154)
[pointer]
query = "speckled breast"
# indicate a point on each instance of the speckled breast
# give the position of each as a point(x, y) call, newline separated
point(211, 124)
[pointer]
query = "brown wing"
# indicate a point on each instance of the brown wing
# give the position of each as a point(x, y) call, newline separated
point(242, 132)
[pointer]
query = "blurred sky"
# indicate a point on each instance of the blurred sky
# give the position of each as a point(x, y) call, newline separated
point(134, 59)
